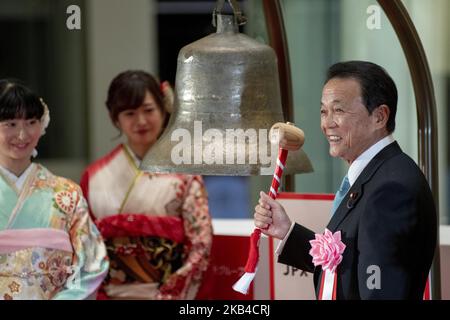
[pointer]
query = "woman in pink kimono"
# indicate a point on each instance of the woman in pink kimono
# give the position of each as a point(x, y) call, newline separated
point(49, 247)
point(157, 227)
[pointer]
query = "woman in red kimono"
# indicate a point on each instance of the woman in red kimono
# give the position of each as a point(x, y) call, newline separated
point(157, 227)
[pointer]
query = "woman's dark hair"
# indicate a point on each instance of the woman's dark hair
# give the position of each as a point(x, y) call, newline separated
point(127, 91)
point(18, 102)
point(377, 87)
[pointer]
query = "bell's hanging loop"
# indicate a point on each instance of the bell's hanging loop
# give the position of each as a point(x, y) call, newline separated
point(241, 19)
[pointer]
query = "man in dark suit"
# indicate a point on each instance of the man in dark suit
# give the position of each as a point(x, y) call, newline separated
point(387, 215)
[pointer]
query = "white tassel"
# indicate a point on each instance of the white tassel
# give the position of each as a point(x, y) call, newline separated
point(243, 284)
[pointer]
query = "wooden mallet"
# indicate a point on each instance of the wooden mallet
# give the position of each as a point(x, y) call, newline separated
point(289, 138)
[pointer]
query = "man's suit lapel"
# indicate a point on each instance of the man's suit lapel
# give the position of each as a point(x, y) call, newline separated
point(355, 194)
point(356, 190)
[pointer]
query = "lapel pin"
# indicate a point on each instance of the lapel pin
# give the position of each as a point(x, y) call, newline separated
point(351, 200)
point(353, 195)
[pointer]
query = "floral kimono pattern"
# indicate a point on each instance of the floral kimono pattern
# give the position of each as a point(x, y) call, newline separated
point(157, 228)
point(49, 246)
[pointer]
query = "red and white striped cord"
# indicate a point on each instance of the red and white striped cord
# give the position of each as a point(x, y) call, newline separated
point(243, 284)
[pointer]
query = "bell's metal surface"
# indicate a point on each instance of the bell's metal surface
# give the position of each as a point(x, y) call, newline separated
point(227, 98)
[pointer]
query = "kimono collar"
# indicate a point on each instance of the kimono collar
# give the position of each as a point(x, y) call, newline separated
point(18, 181)
point(135, 159)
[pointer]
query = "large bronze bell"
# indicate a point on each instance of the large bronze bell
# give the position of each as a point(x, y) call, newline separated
point(227, 98)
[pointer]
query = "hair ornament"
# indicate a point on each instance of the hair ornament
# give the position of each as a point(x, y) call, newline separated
point(45, 119)
point(168, 96)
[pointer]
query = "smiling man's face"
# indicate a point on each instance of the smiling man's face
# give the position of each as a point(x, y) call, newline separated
point(345, 121)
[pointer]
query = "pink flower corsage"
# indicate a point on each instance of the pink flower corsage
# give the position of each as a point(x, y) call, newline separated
point(327, 250)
